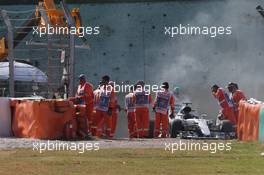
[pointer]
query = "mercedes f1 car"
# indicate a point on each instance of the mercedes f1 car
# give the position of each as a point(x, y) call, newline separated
point(187, 124)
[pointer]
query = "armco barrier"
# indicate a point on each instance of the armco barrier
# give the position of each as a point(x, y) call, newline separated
point(44, 119)
point(261, 125)
point(5, 118)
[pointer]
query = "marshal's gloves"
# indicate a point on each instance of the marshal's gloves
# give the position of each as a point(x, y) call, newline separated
point(220, 116)
point(110, 111)
point(119, 108)
point(172, 115)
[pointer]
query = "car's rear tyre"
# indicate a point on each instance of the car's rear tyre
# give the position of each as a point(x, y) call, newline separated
point(226, 126)
point(199, 132)
point(176, 127)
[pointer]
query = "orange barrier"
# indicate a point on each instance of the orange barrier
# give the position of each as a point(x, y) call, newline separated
point(248, 121)
point(45, 119)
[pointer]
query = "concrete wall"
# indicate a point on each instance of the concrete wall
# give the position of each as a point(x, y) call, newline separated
point(132, 46)
point(132, 34)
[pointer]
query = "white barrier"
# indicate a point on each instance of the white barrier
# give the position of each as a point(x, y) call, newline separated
point(5, 118)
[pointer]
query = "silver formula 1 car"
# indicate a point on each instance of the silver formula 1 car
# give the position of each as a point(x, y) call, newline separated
point(187, 124)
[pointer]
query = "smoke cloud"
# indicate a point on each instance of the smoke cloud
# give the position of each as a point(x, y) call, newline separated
point(197, 62)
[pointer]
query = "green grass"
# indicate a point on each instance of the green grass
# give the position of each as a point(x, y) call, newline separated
point(244, 158)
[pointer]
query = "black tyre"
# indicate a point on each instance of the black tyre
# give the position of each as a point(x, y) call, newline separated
point(176, 127)
point(226, 126)
point(199, 132)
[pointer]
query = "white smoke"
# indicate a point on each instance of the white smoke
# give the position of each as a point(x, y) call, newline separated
point(197, 62)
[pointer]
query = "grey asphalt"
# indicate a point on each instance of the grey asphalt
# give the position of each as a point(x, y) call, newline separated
point(13, 143)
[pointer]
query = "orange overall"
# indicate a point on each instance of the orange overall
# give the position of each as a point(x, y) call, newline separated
point(85, 93)
point(115, 114)
point(227, 107)
point(106, 99)
point(131, 115)
point(94, 122)
point(163, 100)
point(236, 97)
point(142, 102)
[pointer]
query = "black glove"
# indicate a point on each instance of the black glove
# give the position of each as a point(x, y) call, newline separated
point(78, 100)
point(154, 109)
point(119, 108)
point(220, 117)
point(172, 115)
point(110, 111)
